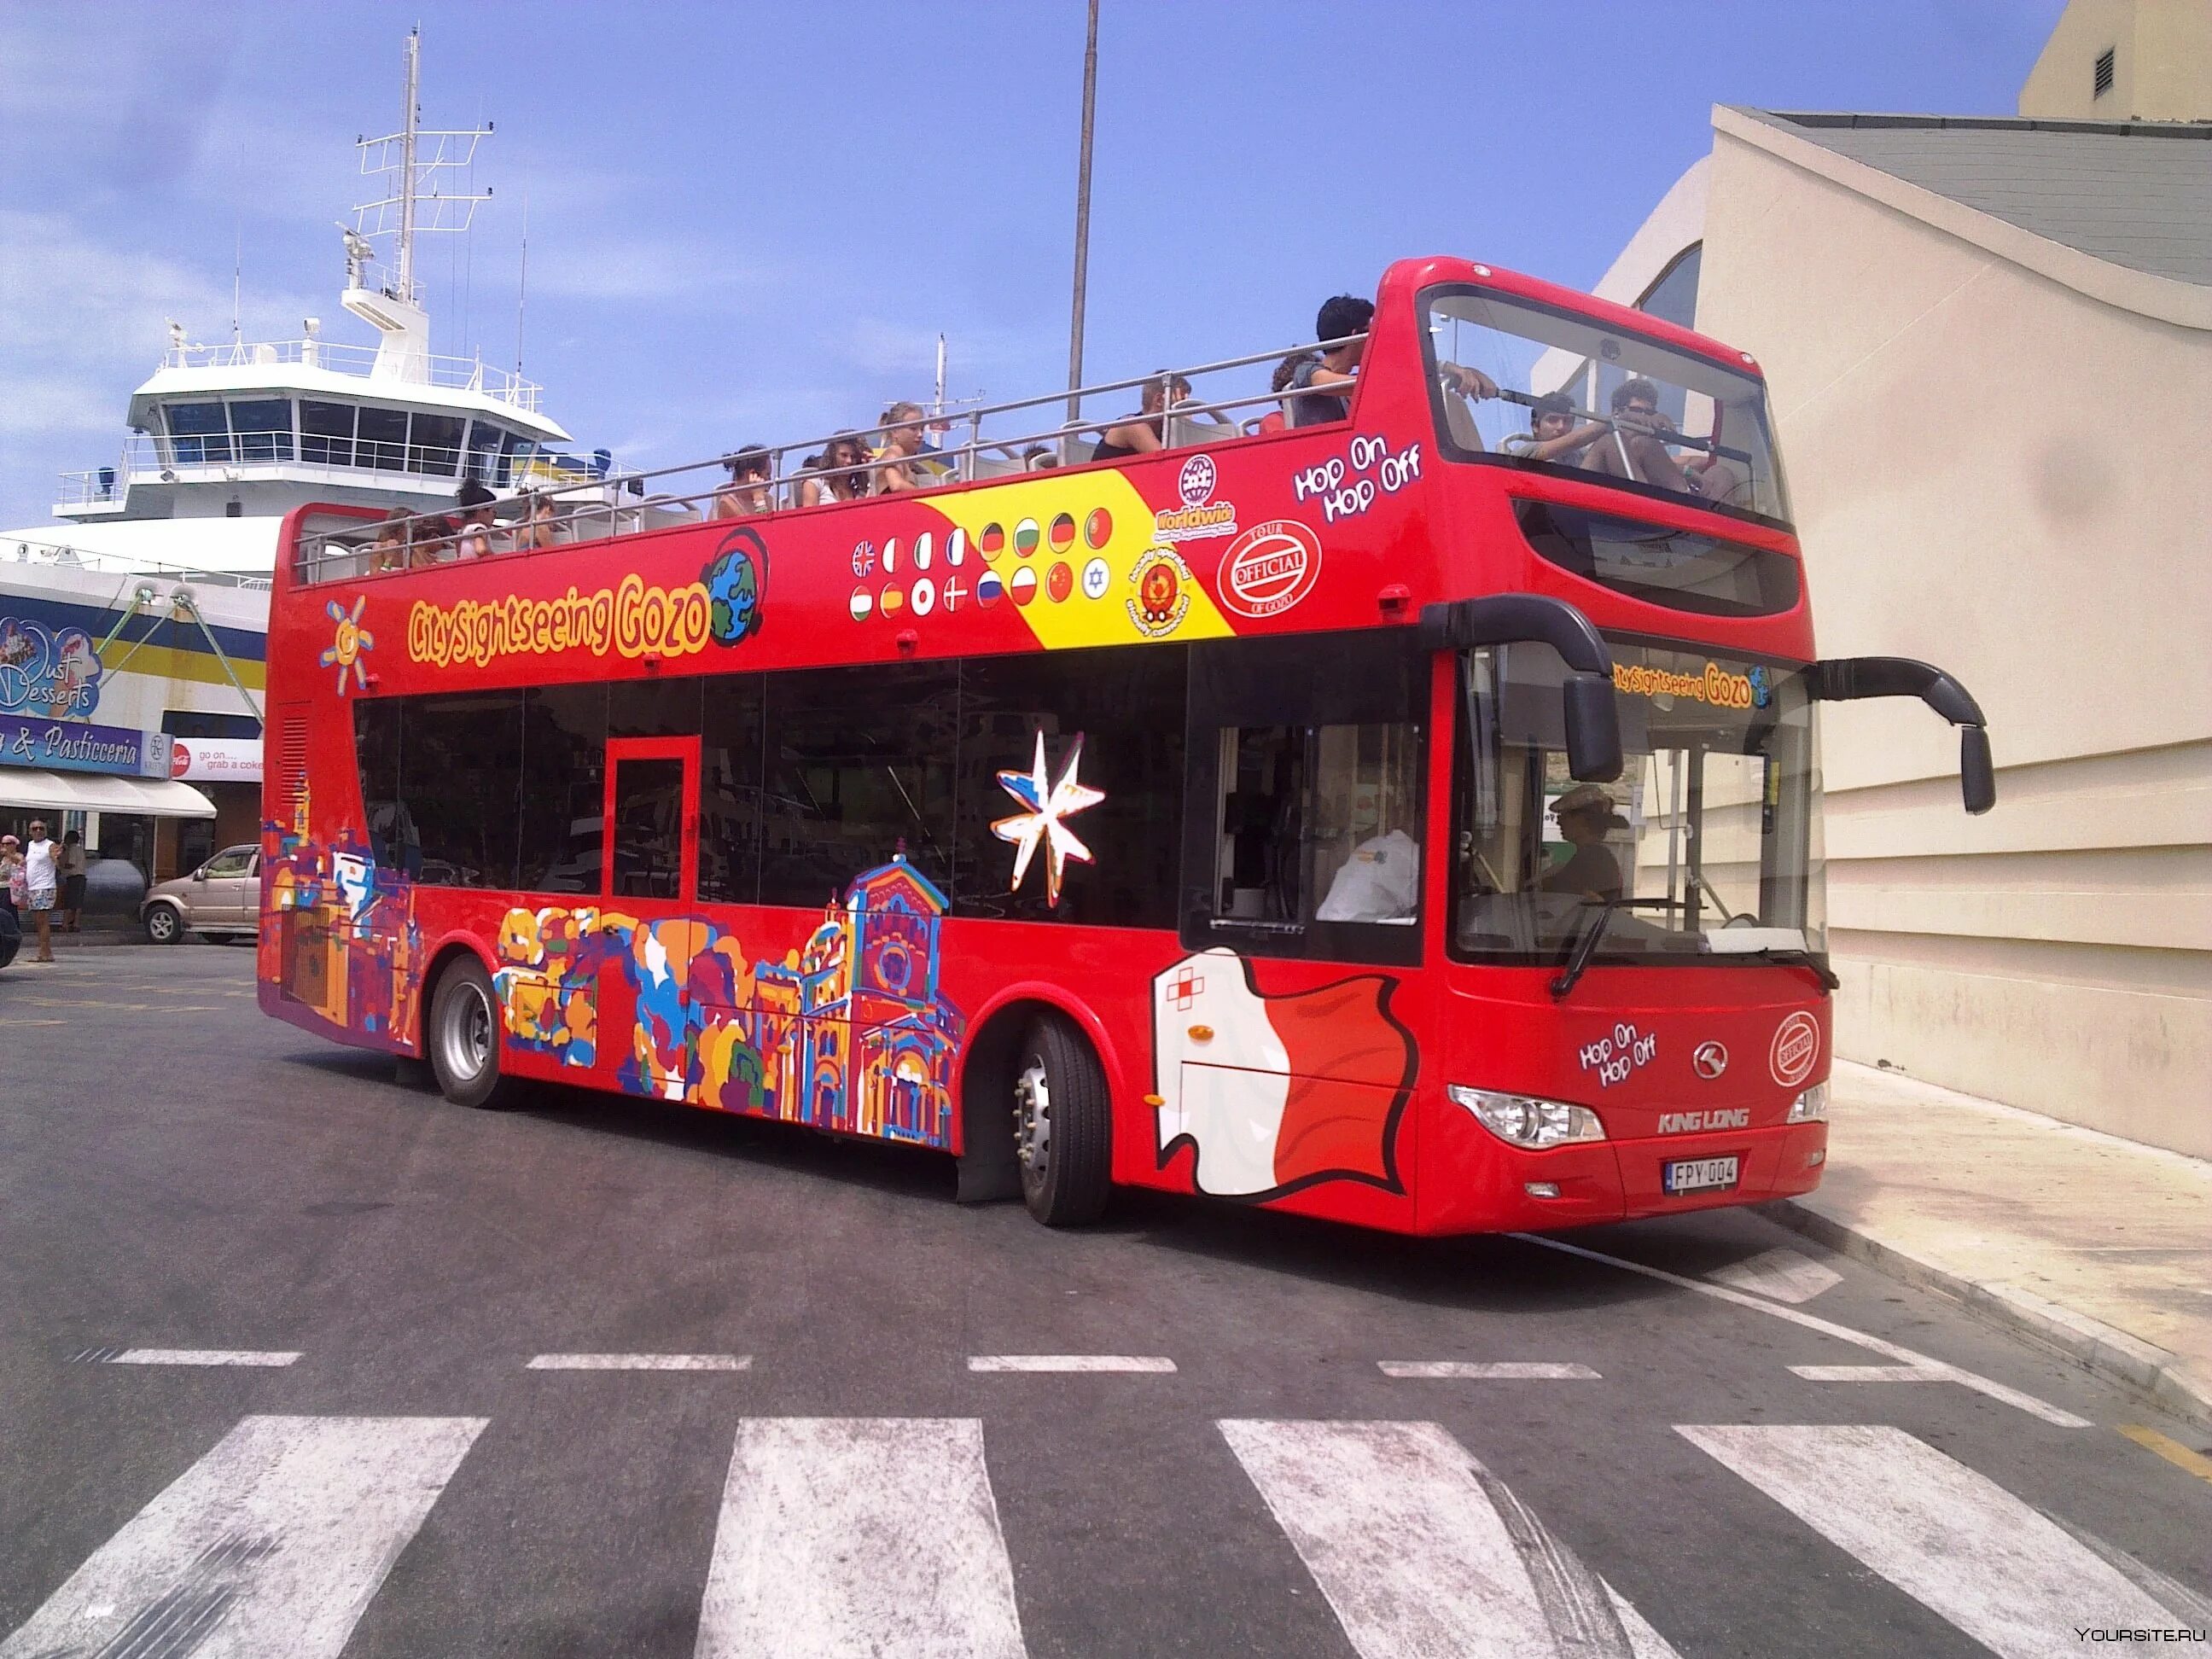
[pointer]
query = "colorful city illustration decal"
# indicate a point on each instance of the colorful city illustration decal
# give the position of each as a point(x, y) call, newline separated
point(848, 1032)
point(47, 672)
point(1047, 803)
point(347, 643)
point(344, 941)
point(1273, 1092)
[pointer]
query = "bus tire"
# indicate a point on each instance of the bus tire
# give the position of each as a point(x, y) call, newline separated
point(462, 1040)
point(1063, 1124)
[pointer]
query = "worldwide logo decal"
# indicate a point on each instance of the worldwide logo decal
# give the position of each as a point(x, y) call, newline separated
point(733, 579)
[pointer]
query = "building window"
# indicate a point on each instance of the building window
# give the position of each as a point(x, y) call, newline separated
point(2104, 77)
point(326, 433)
point(1673, 296)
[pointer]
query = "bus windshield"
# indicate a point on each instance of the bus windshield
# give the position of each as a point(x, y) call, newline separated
point(1706, 849)
point(1557, 391)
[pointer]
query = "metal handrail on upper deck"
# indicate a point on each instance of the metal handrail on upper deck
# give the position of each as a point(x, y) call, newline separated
point(322, 554)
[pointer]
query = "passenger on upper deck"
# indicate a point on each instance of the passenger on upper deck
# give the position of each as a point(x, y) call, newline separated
point(747, 491)
point(1338, 366)
point(1553, 435)
point(1038, 458)
point(389, 550)
point(1146, 431)
point(541, 522)
point(1275, 420)
point(847, 480)
point(1635, 449)
point(474, 501)
point(904, 465)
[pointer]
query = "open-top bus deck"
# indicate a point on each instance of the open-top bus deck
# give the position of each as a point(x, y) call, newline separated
point(1369, 819)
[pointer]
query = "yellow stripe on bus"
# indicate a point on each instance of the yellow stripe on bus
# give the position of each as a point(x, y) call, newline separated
point(1026, 511)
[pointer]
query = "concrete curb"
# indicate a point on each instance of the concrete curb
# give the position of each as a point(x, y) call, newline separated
point(2095, 1345)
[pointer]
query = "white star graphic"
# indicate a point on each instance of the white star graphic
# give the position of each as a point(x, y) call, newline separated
point(1047, 803)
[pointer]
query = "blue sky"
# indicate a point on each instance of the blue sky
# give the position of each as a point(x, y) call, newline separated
point(751, 222)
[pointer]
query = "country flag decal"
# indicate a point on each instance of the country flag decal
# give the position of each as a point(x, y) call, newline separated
point(956, 547)
point(1062, 532)
point(863, 603)
point(1058, 581)
point(1025, 538)
point(891, 555)
point(893, 602)
point(1022, 583)
point(988, 589)
point(924, 597)
point(992, 540)
point(922, 549)
point(1098, 529)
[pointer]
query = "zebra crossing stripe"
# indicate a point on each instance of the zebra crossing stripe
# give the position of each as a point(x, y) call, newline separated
point(1871, 1373)
point(1489, 1370)
point(201, 1357)
point(1156, 1364)
point(270, 1545)
point(1422, 1551)
point(1955, 1541)
point(641, 1362)
point(858, 1535)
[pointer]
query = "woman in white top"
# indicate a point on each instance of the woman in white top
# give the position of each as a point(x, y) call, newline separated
point(41, 885)
point(845, 475)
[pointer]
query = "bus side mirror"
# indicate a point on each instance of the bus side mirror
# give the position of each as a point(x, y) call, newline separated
point(1592, 728)
point(1978, 777)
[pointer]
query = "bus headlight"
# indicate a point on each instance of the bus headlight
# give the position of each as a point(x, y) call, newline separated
point(1526, 1120)
point(1811, 1107)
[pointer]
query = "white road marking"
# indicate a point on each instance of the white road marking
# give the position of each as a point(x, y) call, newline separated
point(1495, 1370)
point(1423, 1552)
point(1954, 1540)
point(1872, 1373)
point(1068, 1361)
point(1785, 1275)
point(270, 1545)
point(641, 1362)
point(1904, 1356)
point(200, 1357)
point(859, 1535)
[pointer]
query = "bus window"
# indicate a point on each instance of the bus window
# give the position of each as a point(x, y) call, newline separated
point(729, 797)
point(648, 829)
point(1304, 830)
point(461, 784)
point(564, 738)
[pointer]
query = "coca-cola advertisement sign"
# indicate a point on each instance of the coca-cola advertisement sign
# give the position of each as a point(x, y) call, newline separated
point(216, 760)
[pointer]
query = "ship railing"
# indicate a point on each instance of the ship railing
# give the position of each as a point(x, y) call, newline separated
point(358, 463)
point(997, 441)
point(455, 373)
point(60, 555)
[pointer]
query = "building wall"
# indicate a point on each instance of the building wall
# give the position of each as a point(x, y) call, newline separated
point(1995, 472)
point(2162, 63)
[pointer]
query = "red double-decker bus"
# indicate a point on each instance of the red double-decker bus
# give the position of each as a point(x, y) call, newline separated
point(1410, 818)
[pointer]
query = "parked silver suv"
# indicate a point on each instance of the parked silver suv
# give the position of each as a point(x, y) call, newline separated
point(222, 898)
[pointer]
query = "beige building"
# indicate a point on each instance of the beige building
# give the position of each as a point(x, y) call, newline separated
point(1989, 347)
point(2126, 60)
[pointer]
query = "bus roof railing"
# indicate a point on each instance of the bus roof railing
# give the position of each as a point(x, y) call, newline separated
point(583, 505)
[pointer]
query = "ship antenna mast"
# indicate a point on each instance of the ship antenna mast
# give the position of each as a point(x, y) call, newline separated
point(409, 115)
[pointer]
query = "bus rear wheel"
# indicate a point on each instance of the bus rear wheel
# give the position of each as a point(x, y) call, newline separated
point(462, 1040)
point(1063, 1124)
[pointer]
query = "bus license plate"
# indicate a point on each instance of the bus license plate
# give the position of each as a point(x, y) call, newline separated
point(1700, 1175)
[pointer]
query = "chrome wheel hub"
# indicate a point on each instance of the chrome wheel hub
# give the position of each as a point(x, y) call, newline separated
point(1032, 1117)
point(468, 1035)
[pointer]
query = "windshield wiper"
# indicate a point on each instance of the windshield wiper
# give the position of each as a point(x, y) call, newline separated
point(1790, 956)
point(1586, 947)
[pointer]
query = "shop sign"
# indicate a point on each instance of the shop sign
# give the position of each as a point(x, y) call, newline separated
point(216, 760)
point(79, 746)
point(54, 672)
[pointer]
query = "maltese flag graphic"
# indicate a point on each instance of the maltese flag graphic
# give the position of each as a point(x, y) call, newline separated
point(1272, 1092)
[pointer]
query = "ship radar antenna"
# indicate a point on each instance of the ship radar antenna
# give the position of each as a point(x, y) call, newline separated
point(414, 168)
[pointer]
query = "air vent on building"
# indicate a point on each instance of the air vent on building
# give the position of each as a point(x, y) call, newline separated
point(2104, 72)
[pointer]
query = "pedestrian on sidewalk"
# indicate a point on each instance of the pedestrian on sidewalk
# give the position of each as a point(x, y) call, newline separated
point(12, 895)
point(72, 874)
point(40, 886)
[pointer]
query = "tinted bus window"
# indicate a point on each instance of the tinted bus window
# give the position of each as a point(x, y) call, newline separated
point(859, 761)
point(648, 829)
point(461, 784)
point(1680, 569)
point(654, 708)
point(1125, 707)
point(564, 739)
point(376, 752)
point(730, 798)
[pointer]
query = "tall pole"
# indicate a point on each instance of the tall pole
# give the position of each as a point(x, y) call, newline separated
point(1083, 218)
point(407, 171)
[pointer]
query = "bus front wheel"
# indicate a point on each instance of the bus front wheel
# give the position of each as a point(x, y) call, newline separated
point(1063, 1124)
point(463, 1039)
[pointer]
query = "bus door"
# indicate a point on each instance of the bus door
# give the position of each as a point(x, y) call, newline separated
point(649, 879)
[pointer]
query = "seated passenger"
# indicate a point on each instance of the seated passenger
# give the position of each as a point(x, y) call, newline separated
point(1278, 419)
point(541, 522)
point(1586, 815)
point(1553, 434)
point(1338, 366)
point(1635, 449)
point(474, 540)
point(846, 458)
point(747, 491)
point(431, 542)
point(1380, 882)
point(1039, 457)
point(1146, 431)
point(389, 550)
point(904, 464)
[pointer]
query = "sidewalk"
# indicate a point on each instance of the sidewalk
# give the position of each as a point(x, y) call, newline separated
point(2094, 1245)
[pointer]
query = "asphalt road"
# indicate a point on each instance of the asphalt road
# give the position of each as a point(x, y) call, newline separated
point(817, 1464)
